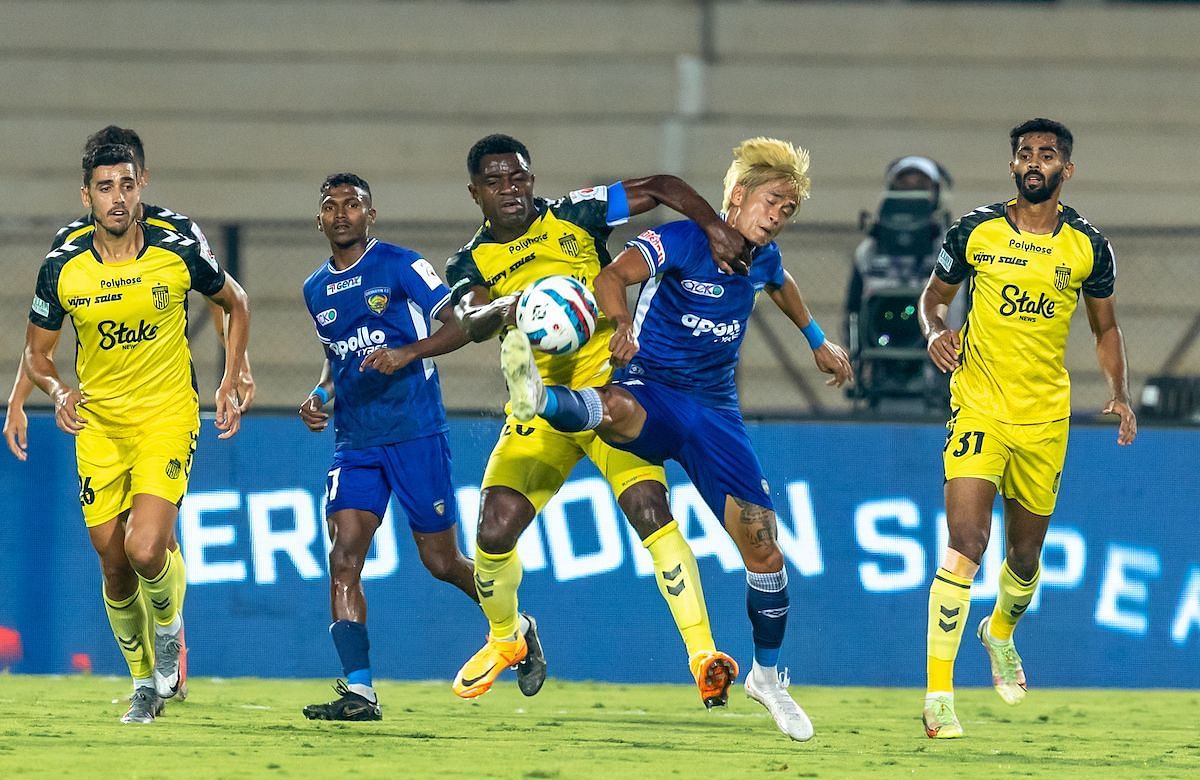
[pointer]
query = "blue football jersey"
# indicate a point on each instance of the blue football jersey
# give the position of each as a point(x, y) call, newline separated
point(691, 318)
point(388, 298)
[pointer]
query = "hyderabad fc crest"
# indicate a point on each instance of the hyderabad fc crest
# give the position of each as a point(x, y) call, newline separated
point(569, 245)
point(377, 299)
point(162, 296)
point(1062, 277)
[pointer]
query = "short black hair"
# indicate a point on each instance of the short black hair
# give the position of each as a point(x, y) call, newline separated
point(107, 154)
point(1042, 125)
point(338, 179)
point(122, 136)
point(496, 143)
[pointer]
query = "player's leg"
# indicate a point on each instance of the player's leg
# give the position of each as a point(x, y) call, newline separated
point(356, 498)
point(1030, 487)
point(147, 531)
point(160, 461)
point(351, 531)
point(528, 465)
point(104, 496)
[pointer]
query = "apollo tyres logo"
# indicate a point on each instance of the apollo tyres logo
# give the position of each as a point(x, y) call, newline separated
point(363, 342)
point(721, 331)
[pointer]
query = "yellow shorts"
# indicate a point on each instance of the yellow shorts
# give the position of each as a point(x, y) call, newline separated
point(534, 459)
point(155, 461)
point(1024, 462)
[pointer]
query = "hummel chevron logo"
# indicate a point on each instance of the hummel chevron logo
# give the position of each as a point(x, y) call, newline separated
point(129, 644)
point(945, 625)
point(160, 605)
point(173, 237)
point(1018, 609)
point(484, 587)
point(675, 590)
point(673, 573)
point(950, 612)
point(64, 248)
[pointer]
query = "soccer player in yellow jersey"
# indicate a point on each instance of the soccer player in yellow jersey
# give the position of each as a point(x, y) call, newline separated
point(136, 412)
point(523, 239)
point(1025, 262)
point(16, 424)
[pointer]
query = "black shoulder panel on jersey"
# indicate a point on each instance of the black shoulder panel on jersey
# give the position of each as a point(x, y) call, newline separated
point(47, 310)
point(952, 266)
point(591, 214)
point(68, 229)
point(207, 278)
point(1101, 282)
point(462, 273)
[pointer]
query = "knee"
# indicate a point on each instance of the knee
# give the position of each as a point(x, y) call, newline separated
point(501, 521)
point(145, 555)
point(120, 580)
point(645, 506)
point(970, 543)
point(344, 566)
point(1024, 560)
point(442, 564)
point(764, 559)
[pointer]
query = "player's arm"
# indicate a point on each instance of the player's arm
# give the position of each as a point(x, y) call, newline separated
point(246, 388)
point(628, 269)
point(829, 357)
point(312, 410)
point(449, 337)
point(38, 365)
point(16, 423)
point(1110, 351)
point(236, 304)
point(729, 248)
point(941, 340)
point(481, 318)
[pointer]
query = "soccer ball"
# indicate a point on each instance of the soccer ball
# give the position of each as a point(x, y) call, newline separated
point(558, 314)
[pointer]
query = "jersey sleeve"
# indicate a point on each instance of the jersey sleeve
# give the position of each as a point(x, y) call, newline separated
point(595, 209)
point(65, 231)
point(47, 310)
point(462, 274)
point(952, 266)
point(207, 277)
point(663, 247)
point(772, 261)
point(422, 284)
point(202, 240)
point(1102, 281)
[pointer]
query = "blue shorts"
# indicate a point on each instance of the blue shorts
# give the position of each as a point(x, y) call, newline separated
point(710, 443)
point(417, 471)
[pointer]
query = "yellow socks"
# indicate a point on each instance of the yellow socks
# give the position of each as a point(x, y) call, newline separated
point(128, 620)
point(1013, 599)
point(180, 575)
point(163, 591)
point(497, 578)
point(678, 581)
point(949, 604)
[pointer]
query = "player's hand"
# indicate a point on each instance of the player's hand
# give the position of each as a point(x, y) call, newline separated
point(229, 415)
point(16, 425)
point(1128, 430)
point(623, 345)
point(66, 411)
point(508, 305)
point(312, 415)
point(730, 249)
point(832, 359)
point(387, 361)
point(246, 390)
point(944, 348)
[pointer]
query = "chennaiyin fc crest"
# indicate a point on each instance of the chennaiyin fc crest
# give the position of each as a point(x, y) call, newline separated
point(377, 299)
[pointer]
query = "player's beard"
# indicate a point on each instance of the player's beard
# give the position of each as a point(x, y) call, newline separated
point(1042, 193)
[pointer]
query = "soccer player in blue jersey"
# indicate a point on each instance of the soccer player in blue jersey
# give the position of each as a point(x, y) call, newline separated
point(676, 398)
point(373, 304)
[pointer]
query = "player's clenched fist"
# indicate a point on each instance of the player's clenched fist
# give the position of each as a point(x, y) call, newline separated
point(312, 415)
point(944, 348)
point(66, 412)
point(623, 345)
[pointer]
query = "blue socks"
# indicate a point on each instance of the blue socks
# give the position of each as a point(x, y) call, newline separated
point(767, 605)
point(353, 648)
point(572, 411)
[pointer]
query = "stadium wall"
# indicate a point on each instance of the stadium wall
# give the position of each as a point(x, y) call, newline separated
point(861, 525)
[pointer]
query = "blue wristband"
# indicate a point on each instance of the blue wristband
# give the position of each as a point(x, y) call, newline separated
point(321, 393)
point(812, 331)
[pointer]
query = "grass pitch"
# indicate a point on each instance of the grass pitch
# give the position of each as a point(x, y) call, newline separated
point(68, 726)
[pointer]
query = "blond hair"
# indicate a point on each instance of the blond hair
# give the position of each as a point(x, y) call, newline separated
point(757, 161)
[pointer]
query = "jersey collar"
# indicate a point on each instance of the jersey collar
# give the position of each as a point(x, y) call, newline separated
point(334, 270)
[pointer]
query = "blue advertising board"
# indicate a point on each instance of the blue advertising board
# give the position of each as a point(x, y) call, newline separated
point(861, 525)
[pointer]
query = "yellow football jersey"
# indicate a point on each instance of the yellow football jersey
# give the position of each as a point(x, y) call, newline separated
point(1022, 289)
point(130, 320)
point(566, 239)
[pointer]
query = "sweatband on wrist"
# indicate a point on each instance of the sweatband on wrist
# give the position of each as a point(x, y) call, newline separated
point(322, 393)
point(812, 331)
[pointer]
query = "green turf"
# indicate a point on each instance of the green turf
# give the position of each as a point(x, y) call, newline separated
point(68, 726)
